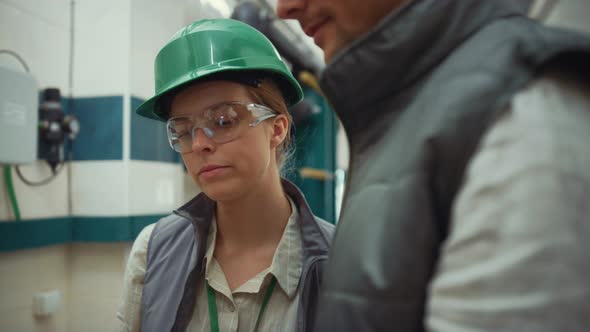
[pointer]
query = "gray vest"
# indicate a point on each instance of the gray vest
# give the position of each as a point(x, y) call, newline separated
point(175, 256)
point(415, 96)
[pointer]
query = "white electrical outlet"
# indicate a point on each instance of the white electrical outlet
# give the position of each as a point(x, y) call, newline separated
point(46, 303)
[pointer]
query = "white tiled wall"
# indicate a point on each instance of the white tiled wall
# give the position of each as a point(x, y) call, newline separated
point(88, 277)
point(117, 188)
point(46, 201)
point(100, 188)
point(152, 24)
point(96, 285)
point(38, 32)
point(22, 275)
point(154, 187)
point(101, 48)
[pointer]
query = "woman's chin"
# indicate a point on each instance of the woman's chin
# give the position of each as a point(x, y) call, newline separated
point(222, 191)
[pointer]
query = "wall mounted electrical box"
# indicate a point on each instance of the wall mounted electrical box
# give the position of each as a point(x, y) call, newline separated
point(19, 117)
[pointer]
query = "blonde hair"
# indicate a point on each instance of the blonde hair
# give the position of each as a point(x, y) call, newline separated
point(269, 95)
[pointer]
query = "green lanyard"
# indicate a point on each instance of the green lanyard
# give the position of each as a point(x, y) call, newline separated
point(214, 321)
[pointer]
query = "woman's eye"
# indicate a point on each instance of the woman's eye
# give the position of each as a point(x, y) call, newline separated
point(179, 135)
point(224, 122)
point(183, 134)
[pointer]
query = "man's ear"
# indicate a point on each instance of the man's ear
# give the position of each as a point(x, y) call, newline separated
point(279, 130)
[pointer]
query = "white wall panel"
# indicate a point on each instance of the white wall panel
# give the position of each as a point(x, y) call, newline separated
point(100, 188)
point(25, 273)
point(96, 284)
point(122, 188)
point(101, 47)
point(50, 200)
point(153, 22)
point(52, 12)
point(155, 187)
point(38, 32)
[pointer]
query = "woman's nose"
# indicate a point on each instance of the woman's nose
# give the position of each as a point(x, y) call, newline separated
point(201, 141)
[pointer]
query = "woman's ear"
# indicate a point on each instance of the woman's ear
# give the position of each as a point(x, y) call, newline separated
point(279, 130)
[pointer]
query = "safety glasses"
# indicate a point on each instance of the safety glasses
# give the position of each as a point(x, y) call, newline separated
point(221, 123)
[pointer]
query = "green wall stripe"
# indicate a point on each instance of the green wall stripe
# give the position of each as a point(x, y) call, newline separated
point(51, 231)
point(148, 138)
point(101, 128)
point(101, 229)
point(139, 222)
point(15, 235)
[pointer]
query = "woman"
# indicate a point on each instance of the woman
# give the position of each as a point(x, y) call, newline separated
point(245, 254)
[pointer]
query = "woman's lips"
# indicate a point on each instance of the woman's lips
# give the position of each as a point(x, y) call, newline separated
point(211, 170)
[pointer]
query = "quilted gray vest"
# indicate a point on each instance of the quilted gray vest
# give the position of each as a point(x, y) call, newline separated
point(415, 96)
point(175, 256)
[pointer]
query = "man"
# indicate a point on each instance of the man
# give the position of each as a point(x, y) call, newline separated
point(468, 198)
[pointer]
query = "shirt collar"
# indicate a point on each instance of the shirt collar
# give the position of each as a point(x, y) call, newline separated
point(211, 238)
point(287, 262)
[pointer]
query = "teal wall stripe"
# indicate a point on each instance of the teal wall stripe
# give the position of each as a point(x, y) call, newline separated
point(101, 131)
point(101, 128)
point(18, 235)
point(139, 222)
point(33, 234)
point(101, 229)
point(148, 138)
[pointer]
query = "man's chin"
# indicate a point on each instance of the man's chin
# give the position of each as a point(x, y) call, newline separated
point(330, 50)
point(328, 54)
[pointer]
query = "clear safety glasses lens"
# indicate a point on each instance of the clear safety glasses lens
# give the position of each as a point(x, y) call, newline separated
point(221, 123)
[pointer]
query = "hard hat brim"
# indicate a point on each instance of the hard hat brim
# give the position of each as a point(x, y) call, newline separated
point(289, 86)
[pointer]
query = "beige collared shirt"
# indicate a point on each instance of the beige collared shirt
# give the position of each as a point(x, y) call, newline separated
point(516, 258)
point(237, 310)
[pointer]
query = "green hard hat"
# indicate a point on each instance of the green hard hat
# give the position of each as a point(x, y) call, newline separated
point(211, 48)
